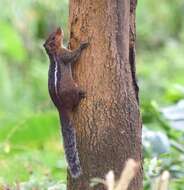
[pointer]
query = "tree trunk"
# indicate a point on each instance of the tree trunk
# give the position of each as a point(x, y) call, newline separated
point(107, 122)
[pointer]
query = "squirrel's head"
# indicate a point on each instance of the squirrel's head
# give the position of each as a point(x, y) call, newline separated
point(54, 41)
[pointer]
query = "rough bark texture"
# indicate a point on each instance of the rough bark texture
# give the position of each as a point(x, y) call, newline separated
point(107, 122)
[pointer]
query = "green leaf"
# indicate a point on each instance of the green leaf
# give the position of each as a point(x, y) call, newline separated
point(11, 43)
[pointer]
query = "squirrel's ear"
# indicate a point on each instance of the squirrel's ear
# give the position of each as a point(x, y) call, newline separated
point(58, 31)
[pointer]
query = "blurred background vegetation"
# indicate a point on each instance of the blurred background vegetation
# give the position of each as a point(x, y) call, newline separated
point(30, 150)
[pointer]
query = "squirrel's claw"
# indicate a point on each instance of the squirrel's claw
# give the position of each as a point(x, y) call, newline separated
point(84, 44)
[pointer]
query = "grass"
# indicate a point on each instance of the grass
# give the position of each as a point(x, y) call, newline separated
point(31, 147)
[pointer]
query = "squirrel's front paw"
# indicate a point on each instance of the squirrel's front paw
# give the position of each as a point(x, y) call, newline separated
point(84, 44)
point(82, 94)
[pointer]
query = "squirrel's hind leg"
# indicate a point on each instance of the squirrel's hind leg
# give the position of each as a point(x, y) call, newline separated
point(79, 95)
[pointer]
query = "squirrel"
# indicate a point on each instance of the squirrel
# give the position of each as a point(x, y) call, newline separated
point(64, 92)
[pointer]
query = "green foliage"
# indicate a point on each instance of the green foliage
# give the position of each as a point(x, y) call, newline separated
point(160, 68)
point(9, 35)
point(30, 144)
point(30, 141)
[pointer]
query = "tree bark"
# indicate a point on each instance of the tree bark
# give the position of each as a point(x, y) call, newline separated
point(107, 122)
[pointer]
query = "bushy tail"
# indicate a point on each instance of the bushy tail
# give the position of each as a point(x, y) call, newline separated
point(69, 141)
